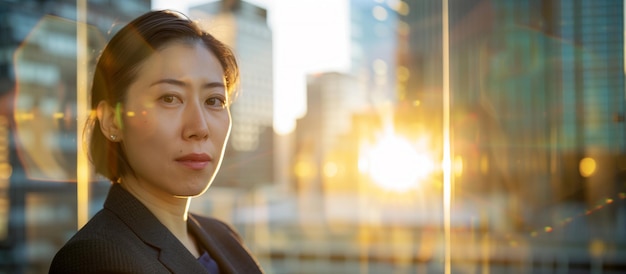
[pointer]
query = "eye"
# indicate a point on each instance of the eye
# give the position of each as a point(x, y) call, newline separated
point(170, 99)
point(216, 102)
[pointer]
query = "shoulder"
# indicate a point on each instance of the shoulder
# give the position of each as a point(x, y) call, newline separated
point(84, 255)
point(104, 225)
point(103, 245)
point(101, 255)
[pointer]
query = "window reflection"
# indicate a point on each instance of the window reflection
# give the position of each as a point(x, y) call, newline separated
point(40, 98)
point(38, 125)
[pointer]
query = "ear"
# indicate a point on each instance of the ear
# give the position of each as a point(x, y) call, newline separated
point(109, 122)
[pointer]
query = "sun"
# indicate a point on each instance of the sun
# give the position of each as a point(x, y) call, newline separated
point(396, 164)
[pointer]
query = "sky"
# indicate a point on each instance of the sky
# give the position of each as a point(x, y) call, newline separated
point(310, 36)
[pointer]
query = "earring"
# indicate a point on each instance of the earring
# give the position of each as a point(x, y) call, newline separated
point(113, 137)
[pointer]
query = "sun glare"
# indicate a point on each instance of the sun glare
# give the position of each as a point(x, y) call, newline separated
point(396, 164)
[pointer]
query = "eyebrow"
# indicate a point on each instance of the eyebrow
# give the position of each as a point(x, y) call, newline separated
point(179, 83)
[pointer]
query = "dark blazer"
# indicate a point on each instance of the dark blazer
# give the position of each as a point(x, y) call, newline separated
point(125, 237)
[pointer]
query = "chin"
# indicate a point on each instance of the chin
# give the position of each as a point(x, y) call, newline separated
point(200, 191)
point(193, 191)
point(190, 194)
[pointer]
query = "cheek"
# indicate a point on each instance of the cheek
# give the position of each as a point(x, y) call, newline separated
point(141, 128)
point(225, 127)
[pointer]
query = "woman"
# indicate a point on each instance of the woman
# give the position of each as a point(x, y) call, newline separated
point(161, 93)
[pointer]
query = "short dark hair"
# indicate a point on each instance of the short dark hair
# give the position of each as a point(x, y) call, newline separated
point(117, 68)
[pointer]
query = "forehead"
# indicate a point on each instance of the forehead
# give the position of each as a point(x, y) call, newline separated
point(182, 59)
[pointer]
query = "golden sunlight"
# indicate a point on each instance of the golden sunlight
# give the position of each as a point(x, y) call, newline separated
point(396, 164)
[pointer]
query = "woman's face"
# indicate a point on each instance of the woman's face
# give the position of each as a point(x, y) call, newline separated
point(176, 121)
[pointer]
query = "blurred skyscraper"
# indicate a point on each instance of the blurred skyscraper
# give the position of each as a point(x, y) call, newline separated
point(373, 26)
point(38, 114)
point(591, 104)
point(249, 159)
point(331, 103)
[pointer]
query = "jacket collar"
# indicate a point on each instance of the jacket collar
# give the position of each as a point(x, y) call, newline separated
point(172, 253)
point(212, 245)
point(219, 238)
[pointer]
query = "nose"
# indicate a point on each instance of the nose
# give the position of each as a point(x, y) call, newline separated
point(196, 125)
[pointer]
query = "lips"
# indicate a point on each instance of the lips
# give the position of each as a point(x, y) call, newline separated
point(195, 161)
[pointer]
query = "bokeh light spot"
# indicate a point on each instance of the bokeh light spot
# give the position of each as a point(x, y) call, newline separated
point(330, 169)
point(587, 167)
point(380, 13)
point(5, 171)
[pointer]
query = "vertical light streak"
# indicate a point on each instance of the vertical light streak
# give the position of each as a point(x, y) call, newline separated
point(82, 166)
point(447, 164)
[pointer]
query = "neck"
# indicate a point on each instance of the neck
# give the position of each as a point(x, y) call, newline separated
point(171, 211)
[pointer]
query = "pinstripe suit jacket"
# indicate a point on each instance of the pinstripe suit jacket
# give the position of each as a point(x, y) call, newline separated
point(125, 237)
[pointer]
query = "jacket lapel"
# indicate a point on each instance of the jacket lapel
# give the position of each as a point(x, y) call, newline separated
point(225, 249)
point(172, 253)
point(212, 245)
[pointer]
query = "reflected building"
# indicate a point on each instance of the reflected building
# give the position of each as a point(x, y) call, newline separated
point(249, 159)
point(38, 114)
point(591, 106)
point(537, 92)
